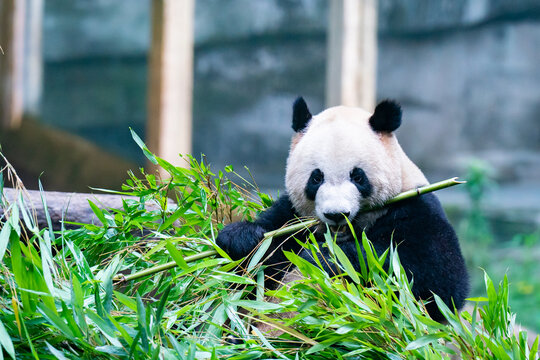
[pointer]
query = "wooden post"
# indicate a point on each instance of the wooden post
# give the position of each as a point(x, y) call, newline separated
point(352, 53)
point(12, 15)
point(33, 56)
point(171, 79)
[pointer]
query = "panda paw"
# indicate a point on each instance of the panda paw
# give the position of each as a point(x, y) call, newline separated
point(239, 239)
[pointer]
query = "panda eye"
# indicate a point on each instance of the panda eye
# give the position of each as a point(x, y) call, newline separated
point(358, 176)
point(314, 183)
point(317, 177)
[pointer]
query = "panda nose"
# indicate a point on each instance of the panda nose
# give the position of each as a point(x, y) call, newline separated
point(336, 217)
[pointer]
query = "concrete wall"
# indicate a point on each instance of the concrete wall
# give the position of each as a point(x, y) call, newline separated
point(465, 71)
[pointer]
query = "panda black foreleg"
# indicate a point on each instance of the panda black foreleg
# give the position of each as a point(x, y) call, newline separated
point(239, 239)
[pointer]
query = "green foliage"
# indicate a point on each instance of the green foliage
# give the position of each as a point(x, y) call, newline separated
point(476, 228)
point(518, 257)
point(58, 298)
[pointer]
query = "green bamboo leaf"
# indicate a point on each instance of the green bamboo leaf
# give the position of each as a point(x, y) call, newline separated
point(449, 316)
point(171, 219)
point(125, 335)
point(46, 210)
point(260, 285)
point(22, 275)
point(141, 319)
point(66, 314)
point(46, 264)
point(176, 345)
point(344, 260)
point(267, 343)
point(97, 302)
point(24, 330)
point(204, 264)
point(80, 261)
point(319, 347)
point(256, 258)
point(371, 256)
point(106, 276)
point(161, 307)
point(362, 261)
point(117, 351)
point(28, 220)
point(167, 166)
point(498, 350)
point(428, 321)
point(5, 233)
point(176, 254)
point(256, 305)
point(77, 303)
point(57, 353)
point(534, 348)
point(56, 321)
point(306, 268)
point(232, 278)
point(134, 345)
point(104, 327)
point(126, 300)
point(394, 261)
point(143, 147)
point(5, 340)
point(477, 299)
point(1, 187)
point(425, 340)
point(98, 212)
point(107, 300)
point(14, 218)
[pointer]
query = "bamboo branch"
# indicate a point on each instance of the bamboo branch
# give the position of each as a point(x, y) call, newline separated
point(419, 191)
point(123, 278)
point(120, 278)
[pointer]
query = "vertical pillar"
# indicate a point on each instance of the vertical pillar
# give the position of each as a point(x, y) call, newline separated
point(352, 53)
point(12, 13)
point(171, 79)
point(33, 56)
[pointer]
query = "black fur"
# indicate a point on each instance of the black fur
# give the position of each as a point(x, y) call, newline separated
point(239, 239)
point(427, 246)
point(361, 181)
point(315, 181)
point(386, 117)
point(301, 115)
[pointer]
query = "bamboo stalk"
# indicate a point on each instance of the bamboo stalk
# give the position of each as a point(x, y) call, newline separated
point(120, 278)
point(421, 190)
point(123, 278)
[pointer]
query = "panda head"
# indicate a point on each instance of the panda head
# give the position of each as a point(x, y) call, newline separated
point(345, 159)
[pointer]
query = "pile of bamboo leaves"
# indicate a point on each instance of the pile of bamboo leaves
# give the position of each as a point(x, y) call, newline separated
point(72, 294)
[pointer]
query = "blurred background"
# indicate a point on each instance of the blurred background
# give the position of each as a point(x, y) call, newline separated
point(219, 78)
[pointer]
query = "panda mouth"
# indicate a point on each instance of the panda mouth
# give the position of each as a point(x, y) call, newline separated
point(340, 232)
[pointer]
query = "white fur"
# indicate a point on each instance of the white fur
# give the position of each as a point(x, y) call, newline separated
point(336, 141)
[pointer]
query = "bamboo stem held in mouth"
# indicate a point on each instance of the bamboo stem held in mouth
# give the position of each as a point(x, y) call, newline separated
point(120, 278)
point(419, 191)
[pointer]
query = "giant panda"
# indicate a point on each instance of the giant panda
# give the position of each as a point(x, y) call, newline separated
point(340, 161)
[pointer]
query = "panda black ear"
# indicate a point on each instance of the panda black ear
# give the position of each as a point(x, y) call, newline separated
point(386, 117)
point(301, 115)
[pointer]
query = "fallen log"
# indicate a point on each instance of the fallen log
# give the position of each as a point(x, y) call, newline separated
point(67, 206)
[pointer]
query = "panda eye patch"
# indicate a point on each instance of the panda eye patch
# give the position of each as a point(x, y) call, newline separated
point(358, 175)
point(316, 177)
point(314, 182)
point(360, 180)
